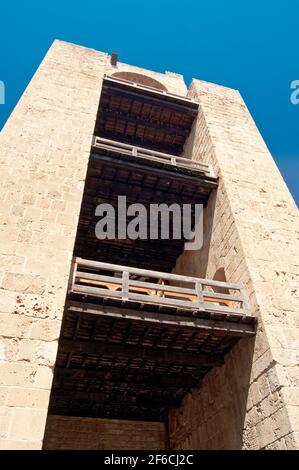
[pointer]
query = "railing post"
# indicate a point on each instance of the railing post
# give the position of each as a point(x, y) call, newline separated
point(173, 160)
point(245, 301)
point(72, 275)
point(211, 171)
point(134, 151)
point(125, 285)
point(198, 290)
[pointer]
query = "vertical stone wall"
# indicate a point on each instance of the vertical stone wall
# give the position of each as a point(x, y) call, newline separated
point(251, 230)
point(44, 151)
point(74, 433)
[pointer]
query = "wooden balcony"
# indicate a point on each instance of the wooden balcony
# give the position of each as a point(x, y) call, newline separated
point(154, 158)
point(124, 286)
point(144, 116)
point(134, 341)
point(143, 176)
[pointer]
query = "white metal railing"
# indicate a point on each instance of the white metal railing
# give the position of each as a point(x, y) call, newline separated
point(149, 88)
point(94, 278)
point(152, 155)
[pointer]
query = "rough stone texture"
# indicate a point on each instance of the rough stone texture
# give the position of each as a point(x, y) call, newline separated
point(44, 151)
point(251, 230)
point(68, 433)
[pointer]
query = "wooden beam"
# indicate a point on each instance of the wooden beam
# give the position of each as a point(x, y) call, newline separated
point(140, 121)
point(75, 395)
point(125, 412)
point(193, 177)
point(175, 103)
point(158, 355)
point(129, 378)
point(184, 322)
point(175, 148)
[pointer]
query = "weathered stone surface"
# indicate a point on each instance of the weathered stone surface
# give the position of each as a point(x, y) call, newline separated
point(69, 433)
point(48, 139)
point(251, 231)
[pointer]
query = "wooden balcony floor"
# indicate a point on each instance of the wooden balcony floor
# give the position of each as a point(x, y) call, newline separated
point(113, 363)
point(130, 359)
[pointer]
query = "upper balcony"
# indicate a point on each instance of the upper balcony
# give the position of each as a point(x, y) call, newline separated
point(143, 176)
point(134, 342)
point(144, 116)
point(131, 153)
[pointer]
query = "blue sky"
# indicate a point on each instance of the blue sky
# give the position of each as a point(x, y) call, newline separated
point(250, 45)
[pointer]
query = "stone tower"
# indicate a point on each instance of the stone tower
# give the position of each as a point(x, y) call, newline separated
point(139, 344)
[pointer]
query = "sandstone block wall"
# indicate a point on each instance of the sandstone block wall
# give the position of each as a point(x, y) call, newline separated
point(251, 230)
point(69, 433)
point(44, 152)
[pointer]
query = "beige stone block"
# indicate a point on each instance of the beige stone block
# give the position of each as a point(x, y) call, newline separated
point(29, 199)
point(277, 445)
point(286, 357)
point(38, 307)
point(263, 386)
point(280, 422)
point(45, 329)
point(265, 432)
point(277, 377)
point(7, 444)
point(292, 441)
point(43, 377)
point(27, 424)
point(5, 415)
point(48, 216)
point(9, 234)
point(8, 349)
point(293, 412)
point(37, 352)
point(8, 248)
point(23, 283)
point(3, 395)
point(251, 439)
point(25, 375)
point(27, 397)
point(293, 376)
point(12, 262)
point(32, 214)
point(15, 326)
point(290, 395)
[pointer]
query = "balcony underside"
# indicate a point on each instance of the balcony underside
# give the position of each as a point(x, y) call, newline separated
point(114, 173)
point(113, 362)
point(144, 116)
point(126, 358)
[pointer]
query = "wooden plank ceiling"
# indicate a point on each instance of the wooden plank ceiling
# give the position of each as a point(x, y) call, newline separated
point(146, 182)
point(115, 363)
point(143, 117)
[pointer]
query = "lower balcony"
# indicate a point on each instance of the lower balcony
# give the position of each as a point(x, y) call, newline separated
point(134, 342)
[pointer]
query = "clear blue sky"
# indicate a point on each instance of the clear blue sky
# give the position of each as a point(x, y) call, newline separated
point(249, 45)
